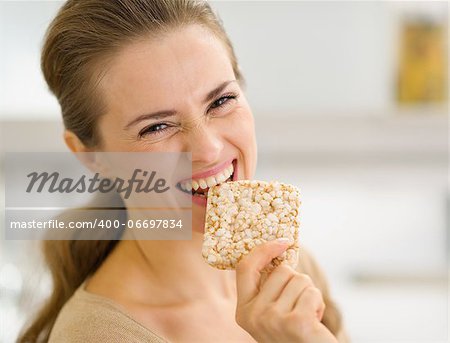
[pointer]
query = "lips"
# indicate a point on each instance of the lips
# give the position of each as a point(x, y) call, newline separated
point(200, 183)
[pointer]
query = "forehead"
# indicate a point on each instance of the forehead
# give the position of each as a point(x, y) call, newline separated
point(156, 74)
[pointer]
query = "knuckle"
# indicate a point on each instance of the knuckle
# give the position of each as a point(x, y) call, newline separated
point(305, 279)
point(315, 293)
point(295, 317)
point(285, 269)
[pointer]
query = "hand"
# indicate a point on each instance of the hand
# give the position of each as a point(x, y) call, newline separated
point(285, 308)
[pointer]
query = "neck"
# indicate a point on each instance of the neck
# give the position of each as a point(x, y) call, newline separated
point(173, 271)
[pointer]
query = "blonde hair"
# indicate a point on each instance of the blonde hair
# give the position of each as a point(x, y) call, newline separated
point(83, 35)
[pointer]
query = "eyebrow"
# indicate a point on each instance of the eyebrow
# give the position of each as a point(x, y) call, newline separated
point(170, 113)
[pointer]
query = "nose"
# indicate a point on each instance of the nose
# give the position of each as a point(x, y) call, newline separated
point(205, 143)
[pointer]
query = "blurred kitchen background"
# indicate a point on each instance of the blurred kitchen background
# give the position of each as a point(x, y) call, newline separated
point(351, 105)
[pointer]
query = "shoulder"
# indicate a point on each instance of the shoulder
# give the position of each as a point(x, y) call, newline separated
point(332, 317)
point(89, 318)
point(307, 264)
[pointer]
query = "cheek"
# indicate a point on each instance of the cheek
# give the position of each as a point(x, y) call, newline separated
point(241, 135)
point(250, 154)
point(248, 130)
point(241, 128)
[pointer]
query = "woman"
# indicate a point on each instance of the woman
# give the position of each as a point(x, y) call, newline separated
point(108, 62)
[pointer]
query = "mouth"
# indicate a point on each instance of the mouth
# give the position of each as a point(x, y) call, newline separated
point(198, 187)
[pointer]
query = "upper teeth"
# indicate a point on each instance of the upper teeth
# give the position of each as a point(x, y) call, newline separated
point(209, 181)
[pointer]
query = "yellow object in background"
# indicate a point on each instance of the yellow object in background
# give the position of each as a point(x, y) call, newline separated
point(423, 66)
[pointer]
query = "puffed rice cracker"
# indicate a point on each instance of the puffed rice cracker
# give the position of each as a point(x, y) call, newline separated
point(243, 214)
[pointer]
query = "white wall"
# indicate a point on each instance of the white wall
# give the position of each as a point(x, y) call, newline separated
point(313, 56)
point(23, 92)
point(299, 57)
point(320, 57)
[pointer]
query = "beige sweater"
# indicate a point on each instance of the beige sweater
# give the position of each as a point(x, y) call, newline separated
point(89, 318)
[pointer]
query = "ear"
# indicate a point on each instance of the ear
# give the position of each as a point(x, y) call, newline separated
point(85, 154)
point(74, 143)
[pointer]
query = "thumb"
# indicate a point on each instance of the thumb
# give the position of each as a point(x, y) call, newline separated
point(248, 270)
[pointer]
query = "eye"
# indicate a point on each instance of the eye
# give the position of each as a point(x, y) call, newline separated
point(223, 101)
point(154, 130)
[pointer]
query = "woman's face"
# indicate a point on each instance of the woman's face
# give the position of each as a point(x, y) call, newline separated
point(179, 93)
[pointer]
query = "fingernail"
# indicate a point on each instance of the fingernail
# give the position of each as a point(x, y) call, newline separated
point(284, 240)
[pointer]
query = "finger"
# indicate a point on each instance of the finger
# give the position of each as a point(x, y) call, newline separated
point(276, 282)
point(292, 292)
point(311, 301)
point(248, 270)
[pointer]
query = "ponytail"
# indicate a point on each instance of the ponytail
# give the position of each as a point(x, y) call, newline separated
point(70, 262)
